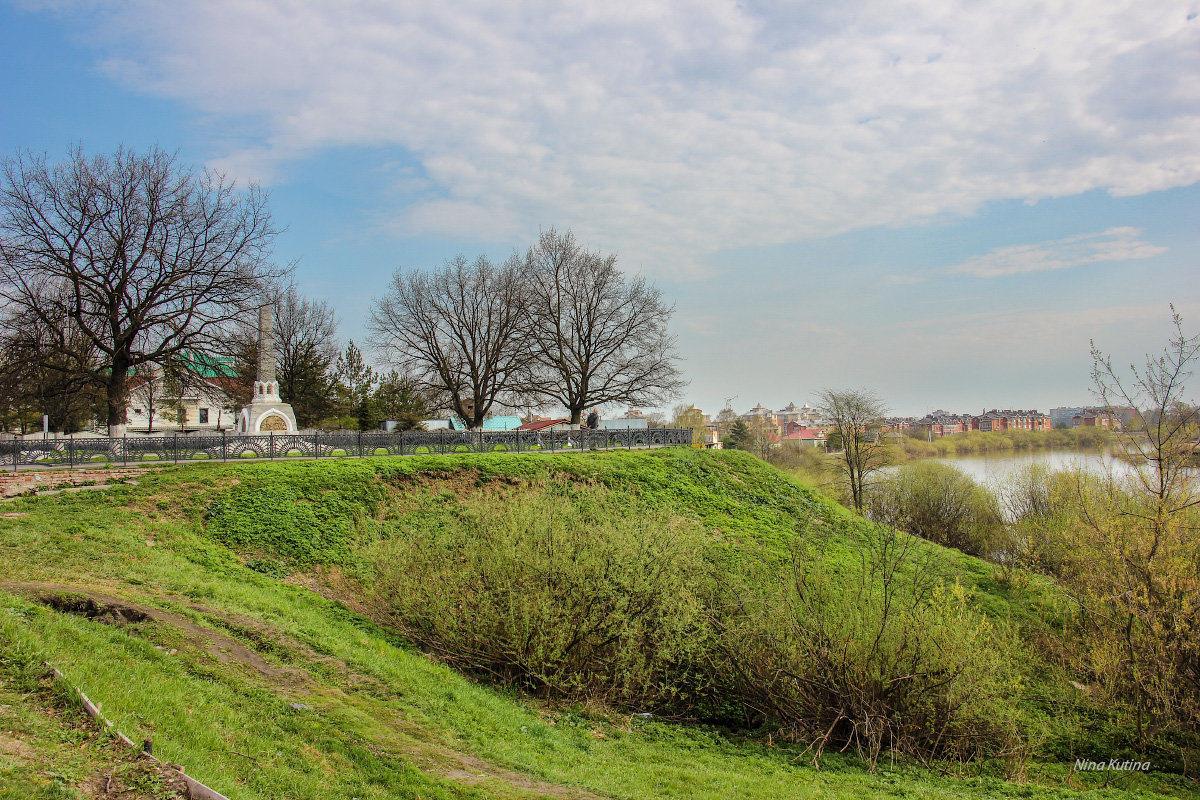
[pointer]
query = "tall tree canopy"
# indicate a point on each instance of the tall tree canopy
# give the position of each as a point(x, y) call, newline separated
point(596, 335)
point(458, 330)
point(143, 258)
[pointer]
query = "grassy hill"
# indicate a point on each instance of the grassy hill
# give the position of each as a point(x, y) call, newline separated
point(283, 630)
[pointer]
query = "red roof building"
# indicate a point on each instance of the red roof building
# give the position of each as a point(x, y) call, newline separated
point(562, 424)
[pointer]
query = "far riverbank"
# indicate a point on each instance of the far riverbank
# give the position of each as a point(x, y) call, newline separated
point(980, 443)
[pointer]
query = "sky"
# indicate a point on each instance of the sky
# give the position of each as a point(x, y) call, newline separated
point(943, 202)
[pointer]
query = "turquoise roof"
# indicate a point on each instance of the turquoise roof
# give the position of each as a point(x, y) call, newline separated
point(490, 423)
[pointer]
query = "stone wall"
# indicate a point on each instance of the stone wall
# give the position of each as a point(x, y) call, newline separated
point(26, 481)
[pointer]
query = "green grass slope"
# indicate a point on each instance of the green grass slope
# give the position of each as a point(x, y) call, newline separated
point(263, 688)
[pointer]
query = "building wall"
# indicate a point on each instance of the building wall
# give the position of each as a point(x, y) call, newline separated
point(212, 412)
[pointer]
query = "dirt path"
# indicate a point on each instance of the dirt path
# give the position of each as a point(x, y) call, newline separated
point(432, 757)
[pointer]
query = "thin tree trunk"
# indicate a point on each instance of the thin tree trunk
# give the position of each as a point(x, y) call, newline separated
point(116, 396)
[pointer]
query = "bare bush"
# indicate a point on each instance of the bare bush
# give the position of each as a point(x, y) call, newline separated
point(887, 658)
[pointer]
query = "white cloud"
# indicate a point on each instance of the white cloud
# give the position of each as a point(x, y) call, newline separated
point(670, 130)
point(1014, 338)
point(1116, 244)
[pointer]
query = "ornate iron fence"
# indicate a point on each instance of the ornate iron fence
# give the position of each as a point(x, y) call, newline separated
point(129, 450)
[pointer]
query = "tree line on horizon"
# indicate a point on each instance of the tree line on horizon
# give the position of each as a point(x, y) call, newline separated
point(114, 268)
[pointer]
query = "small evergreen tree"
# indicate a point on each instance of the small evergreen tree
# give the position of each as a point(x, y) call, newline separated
point(355, 380)
point(397, 398)
point(369, 416)
point(740, 436)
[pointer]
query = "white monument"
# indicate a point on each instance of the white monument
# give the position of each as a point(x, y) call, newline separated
point(267, 412)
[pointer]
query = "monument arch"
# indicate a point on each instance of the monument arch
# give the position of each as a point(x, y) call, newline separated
point(267, 412)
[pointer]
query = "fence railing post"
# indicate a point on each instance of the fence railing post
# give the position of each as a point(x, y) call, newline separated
point(70, 450)
point(271, 445)
point(175, 447)
point(125, 449)
point(223, 456)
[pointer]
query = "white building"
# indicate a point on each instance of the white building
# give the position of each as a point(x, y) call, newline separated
point(159, 405)
point(805, 416)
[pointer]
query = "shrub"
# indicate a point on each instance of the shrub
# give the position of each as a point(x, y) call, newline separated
point(810, 464)
point(937, 502)
point(654, 581)
point(887, 658)
point(1037, 503)
point(575, 595)
point(1132, 564)
point(294, 514)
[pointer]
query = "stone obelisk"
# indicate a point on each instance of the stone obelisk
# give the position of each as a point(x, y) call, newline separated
point(267, 411)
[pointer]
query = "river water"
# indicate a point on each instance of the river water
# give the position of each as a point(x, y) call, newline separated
point(996, 469)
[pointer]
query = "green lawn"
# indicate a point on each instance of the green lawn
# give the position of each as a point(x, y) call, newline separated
point(223, 556)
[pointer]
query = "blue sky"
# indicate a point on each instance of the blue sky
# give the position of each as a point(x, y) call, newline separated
point(942, 201)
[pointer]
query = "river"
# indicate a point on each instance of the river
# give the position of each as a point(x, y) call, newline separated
point(995, 469)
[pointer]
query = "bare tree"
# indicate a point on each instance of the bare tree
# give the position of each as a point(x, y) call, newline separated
point(1170, 422)
point(856, 415)
point(597, 336)
point(147, 391)
point(145, 258)
point(1135, 564)
point(36, 379)
point(458, 330)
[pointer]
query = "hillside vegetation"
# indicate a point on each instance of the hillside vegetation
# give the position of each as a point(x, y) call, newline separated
point(661, 624)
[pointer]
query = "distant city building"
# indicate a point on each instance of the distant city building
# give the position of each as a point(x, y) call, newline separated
point(696, 414)
point(801, 438)
point(1090, 416)
point(762, 418)
point(805, 414)
point(761, 412)
point(943, 423)
point(1061, 417)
